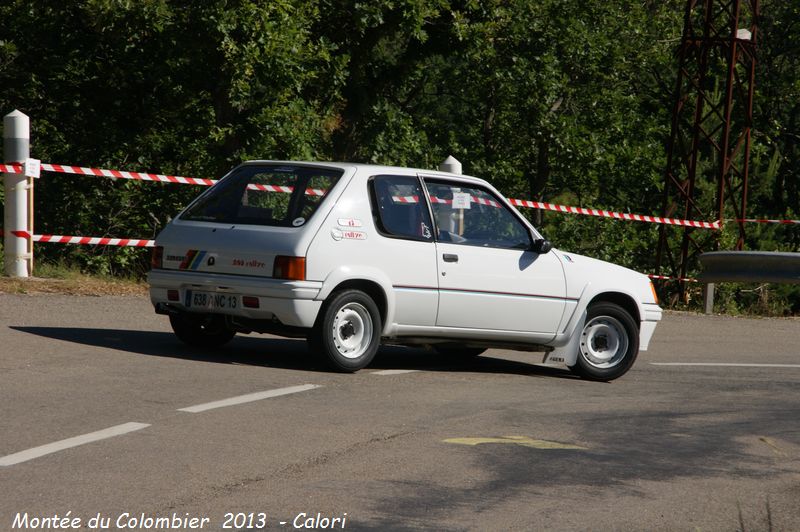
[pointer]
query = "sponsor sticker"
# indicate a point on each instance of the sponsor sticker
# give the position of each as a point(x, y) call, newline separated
point(354, 235)
point(348, 235)
point(349, 222)
point(248, 263)
point(192, 260)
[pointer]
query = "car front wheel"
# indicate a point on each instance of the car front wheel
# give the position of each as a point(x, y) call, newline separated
point(609, 343)
point(348, 331)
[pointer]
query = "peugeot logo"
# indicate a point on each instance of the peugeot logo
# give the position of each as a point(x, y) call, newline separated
point(211, 261)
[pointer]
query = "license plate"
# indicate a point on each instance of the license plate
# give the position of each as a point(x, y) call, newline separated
point(210, 300)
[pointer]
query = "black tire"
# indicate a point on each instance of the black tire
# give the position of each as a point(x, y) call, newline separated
point(609, 343)
point(201, 330)
point(315, 345)
point(458, 351)
point(348, 331)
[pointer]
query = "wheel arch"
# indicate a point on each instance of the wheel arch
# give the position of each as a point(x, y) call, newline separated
point(372, 289)
point(371, 281)
point(566, 349)
point(623, 300)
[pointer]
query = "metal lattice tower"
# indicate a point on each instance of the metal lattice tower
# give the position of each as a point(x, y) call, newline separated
point(708, 154)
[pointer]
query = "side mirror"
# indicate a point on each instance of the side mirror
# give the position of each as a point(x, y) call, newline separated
point(541, 245)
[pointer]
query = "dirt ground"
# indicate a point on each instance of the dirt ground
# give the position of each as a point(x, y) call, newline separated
point(82, 286)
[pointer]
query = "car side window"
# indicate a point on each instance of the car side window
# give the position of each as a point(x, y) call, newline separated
point(399, 208)
point(474, 216)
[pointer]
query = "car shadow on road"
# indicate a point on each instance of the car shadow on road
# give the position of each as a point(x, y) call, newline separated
point(281, 353)
point(397, 357)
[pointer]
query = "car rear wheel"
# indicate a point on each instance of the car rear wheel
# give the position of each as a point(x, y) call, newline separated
point(348, 332)
point(609, 343)
point(201, 330)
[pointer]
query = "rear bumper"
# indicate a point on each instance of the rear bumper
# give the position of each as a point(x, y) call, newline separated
point(650, 318)
point(293, 303)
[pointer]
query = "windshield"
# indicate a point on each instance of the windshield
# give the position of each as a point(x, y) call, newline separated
point(285, 196)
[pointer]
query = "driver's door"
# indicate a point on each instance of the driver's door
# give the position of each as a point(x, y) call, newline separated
point(488, 276)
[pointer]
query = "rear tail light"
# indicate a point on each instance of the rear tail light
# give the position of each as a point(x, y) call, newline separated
point(157, 257)
point(292, 268)
point(173, 295)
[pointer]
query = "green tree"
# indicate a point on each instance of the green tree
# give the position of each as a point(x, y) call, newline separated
point(169, 87)
point(566, 101)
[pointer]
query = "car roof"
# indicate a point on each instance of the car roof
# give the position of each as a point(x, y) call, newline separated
point(373, 169)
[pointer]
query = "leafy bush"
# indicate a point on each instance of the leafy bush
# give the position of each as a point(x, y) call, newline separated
point(565, 101)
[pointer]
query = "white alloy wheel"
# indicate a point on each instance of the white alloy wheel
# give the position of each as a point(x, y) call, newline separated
point(352, 330)
point(604, 342)
point(348, 330)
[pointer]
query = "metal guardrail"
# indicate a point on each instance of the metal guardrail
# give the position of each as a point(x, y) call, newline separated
point(750, 267)
point(747, 267)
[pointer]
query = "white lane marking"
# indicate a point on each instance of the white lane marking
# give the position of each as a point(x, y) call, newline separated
point(394, 371)
point(249, 398)
point(725, 364)
point(36, 452)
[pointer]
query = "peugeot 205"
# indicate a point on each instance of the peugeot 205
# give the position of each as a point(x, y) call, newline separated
point(350, 256)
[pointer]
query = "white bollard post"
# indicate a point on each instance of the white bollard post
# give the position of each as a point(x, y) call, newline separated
point(451, 164)
point(708, 298)
point(16, 148)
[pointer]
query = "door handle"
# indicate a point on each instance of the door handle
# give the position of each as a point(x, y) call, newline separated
point(450, 257)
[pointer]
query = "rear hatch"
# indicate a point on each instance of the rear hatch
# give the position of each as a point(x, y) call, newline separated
point(239, 226)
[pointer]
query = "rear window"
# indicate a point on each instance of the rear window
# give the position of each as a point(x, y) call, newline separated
point(285, 196)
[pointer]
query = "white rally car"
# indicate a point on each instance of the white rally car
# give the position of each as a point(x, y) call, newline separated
point(350, 256)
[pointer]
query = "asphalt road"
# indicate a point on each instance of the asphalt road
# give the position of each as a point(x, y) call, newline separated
point(415, 442)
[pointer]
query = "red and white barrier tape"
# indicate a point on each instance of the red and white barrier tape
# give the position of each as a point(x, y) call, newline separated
point(574, 210)
point(434, 199)
point(94, 241)
point(142, 176)
point(283, 188)
point(613, 214)
point(11, 168)
point(666, 278)
point(85, 240)
point(118, 174)
point(142, 243)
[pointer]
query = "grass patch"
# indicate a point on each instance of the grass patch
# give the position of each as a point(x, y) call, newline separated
point(59, 278)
